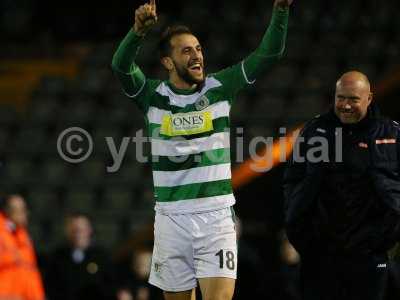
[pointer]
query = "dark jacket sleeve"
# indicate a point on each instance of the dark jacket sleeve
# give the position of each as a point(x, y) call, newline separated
point(301, 186)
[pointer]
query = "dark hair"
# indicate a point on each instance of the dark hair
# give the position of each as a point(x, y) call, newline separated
point(77, 214)
point(164, 45)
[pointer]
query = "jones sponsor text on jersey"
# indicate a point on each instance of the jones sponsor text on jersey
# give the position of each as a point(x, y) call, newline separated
point(186, 123)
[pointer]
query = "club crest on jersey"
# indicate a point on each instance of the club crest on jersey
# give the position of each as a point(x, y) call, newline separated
point(202, 103)
point(186, 123)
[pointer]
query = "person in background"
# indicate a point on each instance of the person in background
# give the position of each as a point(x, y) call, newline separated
point(250, 260)
point(133, 281)
point(79, 270)
point(290, 269)
point(20, 278)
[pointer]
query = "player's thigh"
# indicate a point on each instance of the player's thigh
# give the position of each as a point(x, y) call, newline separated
point(186, 295)
point(217, 288)
point(215, 245)
point(172, 268)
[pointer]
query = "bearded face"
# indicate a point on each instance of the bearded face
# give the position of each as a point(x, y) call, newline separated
point(192, 72)
point(187, 59)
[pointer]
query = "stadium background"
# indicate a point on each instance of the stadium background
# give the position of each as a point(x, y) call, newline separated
point(55, 73)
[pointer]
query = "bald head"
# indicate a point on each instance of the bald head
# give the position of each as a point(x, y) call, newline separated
point(353, 96)
point(354, 77)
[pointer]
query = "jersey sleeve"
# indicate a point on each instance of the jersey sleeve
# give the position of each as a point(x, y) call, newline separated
point(260, 60)
point(134, 82)
point(233, 79)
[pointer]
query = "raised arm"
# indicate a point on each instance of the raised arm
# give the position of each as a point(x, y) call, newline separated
point(267, 53)
point(272, 45)
point(123, 63)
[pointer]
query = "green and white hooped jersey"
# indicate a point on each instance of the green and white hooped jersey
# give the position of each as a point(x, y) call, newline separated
point(190, 142)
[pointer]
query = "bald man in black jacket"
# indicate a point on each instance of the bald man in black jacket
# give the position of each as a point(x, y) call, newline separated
point(342, 190)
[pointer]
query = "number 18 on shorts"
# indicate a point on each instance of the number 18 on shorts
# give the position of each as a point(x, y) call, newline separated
point(191, 246)
point(227, 260)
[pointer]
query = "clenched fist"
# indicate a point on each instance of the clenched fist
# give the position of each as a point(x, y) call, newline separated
point(145, 17)
point(282, 3)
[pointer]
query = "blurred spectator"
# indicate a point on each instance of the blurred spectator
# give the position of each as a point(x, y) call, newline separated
point(134, 278)
point(79, 270)
point(19, 275)
point(124, 294)
point(290, 270)
point(249, 261)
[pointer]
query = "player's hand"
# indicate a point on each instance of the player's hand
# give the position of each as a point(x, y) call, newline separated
point(282, 3)
point(145, 17)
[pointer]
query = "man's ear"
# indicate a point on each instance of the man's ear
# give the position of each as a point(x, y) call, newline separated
point(167, 63)
point(370, 98)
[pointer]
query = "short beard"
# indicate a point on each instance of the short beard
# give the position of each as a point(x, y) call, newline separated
point(184, 74)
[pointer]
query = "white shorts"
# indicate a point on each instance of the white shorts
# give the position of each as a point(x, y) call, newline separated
point(191, 246)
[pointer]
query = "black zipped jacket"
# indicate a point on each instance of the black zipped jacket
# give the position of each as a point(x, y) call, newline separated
point(342, 186)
